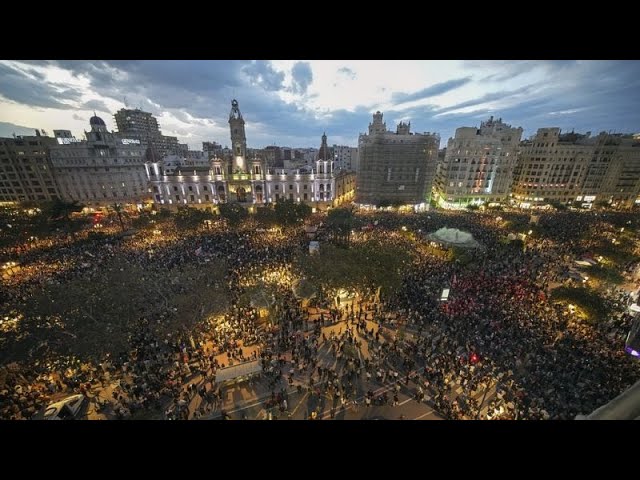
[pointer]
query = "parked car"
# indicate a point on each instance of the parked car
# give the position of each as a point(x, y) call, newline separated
point(66, 409)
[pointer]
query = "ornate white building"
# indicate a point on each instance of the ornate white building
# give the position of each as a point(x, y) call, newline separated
point(249, 182)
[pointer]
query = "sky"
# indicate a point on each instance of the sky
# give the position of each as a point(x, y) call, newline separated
point(292, 102)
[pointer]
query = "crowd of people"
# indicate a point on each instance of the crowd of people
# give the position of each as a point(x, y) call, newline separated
point(497, 332)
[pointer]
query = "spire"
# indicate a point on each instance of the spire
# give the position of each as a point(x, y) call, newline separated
point(323, 154)
point(235, 110)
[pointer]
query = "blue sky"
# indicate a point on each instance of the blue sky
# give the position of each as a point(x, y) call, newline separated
point(291, 103)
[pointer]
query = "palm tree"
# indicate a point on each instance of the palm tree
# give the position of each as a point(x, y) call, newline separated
point(117, 208)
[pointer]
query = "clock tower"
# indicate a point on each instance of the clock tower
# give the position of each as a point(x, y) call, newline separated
point(238, 138)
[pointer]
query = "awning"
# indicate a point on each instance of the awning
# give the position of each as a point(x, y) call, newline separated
point(240, 370)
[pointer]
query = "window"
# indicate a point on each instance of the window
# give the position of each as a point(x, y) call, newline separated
point(206, 197)
point(192, 198)
point(277, 187)
point(175, 189)
point(178, 198)
point(190, 188)
point(205, 188)
point(305, 187)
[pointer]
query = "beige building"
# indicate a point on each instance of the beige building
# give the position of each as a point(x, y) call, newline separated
point(25, 169)
point(103, 169)
point(572, 167)
point(478, 165)
point(395, 167)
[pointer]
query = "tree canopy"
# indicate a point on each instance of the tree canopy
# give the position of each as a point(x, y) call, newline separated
point(288, 212)
point(340, 223)
point(233, 212)
point(188, 218)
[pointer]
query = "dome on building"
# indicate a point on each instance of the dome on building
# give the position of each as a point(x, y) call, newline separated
point(96, 120)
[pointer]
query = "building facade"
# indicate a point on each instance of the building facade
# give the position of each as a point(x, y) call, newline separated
point(395, 167)
point(143, 126)
point(552, 167)
point(211, 150)
point(249, 182)
point(577, 168)
point(346, 158)
point(26, 173)
point(103, 169)
point(478, 165)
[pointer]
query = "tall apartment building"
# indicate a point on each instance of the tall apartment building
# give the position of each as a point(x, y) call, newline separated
point(478, 165)
point(211, 150)
point(143, 126)
point(552, 167)
point(103, 169)
point(395, 167)
point(621, 183)
point(346, 158)
point(573, 167)
point(25, 169)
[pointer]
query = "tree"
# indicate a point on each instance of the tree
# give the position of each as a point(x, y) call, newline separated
point(189, 218)
point(288, 212)
point(61, 210)
point(558, 205)
point(118, 209)
point(164, 213)
point(59, 214)
point(233, 212)
point(142, 220)
point(266, 216)
point(340, 224)
point(587, 299)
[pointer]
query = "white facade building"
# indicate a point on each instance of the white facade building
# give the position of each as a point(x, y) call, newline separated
point(478, 165)
point(248, 182)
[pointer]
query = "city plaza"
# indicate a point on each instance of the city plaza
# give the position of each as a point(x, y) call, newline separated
point(244, 322)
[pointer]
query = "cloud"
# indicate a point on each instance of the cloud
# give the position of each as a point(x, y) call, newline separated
point(191, 99)
point(262, 73)
point(432, 91)
point(21, 87)
point(347, 72)
point(487, 98)
point(97, 105)
point(302, 77)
